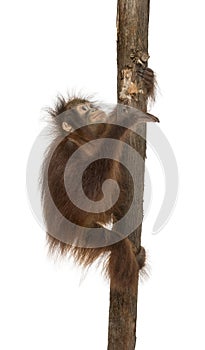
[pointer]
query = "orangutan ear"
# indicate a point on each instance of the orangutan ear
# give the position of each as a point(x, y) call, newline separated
point(67, 127)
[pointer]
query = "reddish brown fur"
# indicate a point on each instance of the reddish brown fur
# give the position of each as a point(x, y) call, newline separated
point(121, 264)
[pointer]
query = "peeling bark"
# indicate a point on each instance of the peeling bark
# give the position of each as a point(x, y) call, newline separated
point(132, 47)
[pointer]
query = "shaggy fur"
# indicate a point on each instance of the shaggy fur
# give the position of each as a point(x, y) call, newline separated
point(121, 264)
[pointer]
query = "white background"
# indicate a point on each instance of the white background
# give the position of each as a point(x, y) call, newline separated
point(49, 47)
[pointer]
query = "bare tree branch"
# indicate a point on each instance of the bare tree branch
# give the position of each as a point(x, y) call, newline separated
point(132, 51)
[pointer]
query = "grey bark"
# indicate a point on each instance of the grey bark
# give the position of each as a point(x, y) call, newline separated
point(132, 48)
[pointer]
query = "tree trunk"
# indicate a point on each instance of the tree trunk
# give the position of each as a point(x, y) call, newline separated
point(132, 50)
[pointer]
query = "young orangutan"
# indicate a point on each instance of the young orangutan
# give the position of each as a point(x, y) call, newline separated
point(76, 122)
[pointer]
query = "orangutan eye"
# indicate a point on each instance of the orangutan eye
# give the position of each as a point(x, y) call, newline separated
point(85, 108)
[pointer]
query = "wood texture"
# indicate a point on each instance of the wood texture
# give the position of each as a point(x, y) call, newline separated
point(132, 50)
